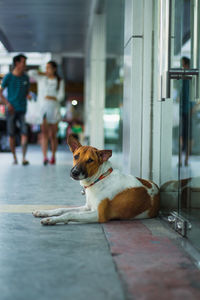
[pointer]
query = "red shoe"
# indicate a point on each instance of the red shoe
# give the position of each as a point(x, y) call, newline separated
point(52, 161)
point(45, 161)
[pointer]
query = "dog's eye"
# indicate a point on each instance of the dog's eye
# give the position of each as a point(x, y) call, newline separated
point(89, 160)
point(76, 156)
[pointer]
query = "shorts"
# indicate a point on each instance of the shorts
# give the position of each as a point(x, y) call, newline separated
point(13, 119)
point(50, 112)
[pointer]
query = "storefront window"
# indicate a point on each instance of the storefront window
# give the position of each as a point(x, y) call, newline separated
point(114, 74)
point(180, 144)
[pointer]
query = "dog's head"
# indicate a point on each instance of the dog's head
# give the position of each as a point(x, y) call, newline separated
point(86, 159)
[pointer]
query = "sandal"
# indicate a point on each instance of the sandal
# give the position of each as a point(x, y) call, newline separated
point(52, 161)
point(46, 161)
point(15, 162)
point(25, 163)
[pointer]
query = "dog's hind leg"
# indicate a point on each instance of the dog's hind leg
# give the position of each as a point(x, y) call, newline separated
point(58, 211)
point(83, 217)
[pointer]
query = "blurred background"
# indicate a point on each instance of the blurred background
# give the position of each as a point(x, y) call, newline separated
point(62, 31)
point(122, 63)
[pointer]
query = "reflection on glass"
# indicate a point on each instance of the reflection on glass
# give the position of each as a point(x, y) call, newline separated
point(114, 74)
point(181, 42)
point(182, 191)
point(113, 128)
point(186, 109)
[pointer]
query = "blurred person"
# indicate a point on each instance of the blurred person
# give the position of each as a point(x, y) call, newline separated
point(75, 127)
point(51, 91)
point(17, 84)
point(186, 110)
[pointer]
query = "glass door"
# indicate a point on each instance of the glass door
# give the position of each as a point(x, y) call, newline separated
point(181, 185)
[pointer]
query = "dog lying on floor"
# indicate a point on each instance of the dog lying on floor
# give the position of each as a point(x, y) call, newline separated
point(110, 195)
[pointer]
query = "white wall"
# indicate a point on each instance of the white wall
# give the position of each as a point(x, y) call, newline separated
point(138, 98)
point(147, 132)
point(95, 82)
point(146, 121)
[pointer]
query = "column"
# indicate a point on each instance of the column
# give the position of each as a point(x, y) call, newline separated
point(137, 120)
point(96, 77)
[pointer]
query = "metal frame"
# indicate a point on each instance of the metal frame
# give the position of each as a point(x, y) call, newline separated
point(167, 73)
point(179, 223)
point(164, 48)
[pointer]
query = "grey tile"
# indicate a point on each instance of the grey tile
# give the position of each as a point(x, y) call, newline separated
point(57, 262)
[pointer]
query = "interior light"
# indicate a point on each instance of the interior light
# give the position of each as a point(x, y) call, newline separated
point(111, 118)
point(74, 102)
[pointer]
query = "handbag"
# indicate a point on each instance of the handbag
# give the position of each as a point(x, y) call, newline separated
point(32, 115)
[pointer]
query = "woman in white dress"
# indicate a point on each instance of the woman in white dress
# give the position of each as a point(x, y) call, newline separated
point(51, 91)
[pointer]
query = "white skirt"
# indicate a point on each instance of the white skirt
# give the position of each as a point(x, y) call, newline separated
point(50, 110)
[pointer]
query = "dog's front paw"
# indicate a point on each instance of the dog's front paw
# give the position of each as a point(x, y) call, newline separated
point(39, 213)
point(36, 213)
point(48, 221)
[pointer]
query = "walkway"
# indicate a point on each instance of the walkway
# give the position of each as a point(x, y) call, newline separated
point(118, 260)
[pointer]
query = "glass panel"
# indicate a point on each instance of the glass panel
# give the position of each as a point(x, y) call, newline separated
point(114, 75)
point(180, 142)
point(190, 161)
point(189, 143)
point(170, 150)
point(181, 33)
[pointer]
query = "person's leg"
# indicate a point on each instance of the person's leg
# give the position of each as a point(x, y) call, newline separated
point(11, 132)
point(186, 137)
point(12, 148)
point(180, 151)
point(53, 128)
point(24, 136)
point(44, 128)
point(189, 138)
point(181, 140)
point(24, 144)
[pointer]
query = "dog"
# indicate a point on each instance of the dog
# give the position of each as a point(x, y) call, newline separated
point(110, 195)
point(188, 190)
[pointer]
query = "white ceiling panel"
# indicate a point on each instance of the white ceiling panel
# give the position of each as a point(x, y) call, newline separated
point(44, 25)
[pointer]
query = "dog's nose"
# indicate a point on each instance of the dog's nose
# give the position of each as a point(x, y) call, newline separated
point(75, 172)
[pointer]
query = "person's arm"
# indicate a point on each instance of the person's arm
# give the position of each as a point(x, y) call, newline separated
point(5, 101)
point(28, 96)
point(41, 73)
point(51, 98)
point(61, 91)
point(35, 74)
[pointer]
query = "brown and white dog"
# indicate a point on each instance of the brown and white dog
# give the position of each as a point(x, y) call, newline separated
point(110, 194)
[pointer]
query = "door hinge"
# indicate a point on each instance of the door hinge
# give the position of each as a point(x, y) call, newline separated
point(179, 223)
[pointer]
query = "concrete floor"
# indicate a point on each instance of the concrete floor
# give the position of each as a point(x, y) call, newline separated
point(118, 260)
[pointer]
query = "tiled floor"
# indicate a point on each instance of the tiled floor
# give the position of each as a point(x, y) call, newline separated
point(118, 260)
point(43, 263)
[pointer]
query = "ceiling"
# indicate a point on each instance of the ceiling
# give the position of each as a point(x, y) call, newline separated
point(44, 25)
point(59, 26)
point(73, 69)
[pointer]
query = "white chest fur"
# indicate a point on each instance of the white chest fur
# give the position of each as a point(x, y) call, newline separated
point(110, 186)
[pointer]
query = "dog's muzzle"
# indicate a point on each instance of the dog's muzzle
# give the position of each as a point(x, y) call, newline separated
point(77, 173)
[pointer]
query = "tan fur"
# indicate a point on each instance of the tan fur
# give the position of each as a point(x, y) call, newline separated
point(86, 152)
point(125, 205)
point(128, 204)
point(155, 206)
point(145, 182)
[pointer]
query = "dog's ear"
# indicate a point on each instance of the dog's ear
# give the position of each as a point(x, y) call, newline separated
point(73, 143)
point(105, 154)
